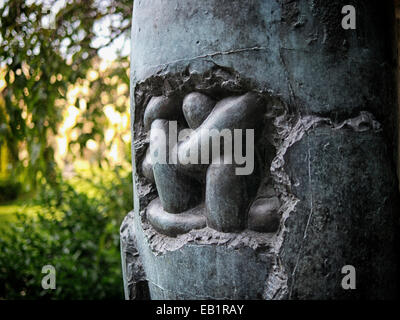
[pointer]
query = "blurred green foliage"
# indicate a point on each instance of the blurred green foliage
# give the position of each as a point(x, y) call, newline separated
point(39, 62)
point(9, 190)
point(72, 224)
point(76, 232)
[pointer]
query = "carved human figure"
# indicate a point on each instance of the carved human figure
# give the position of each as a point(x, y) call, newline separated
point(200, 180)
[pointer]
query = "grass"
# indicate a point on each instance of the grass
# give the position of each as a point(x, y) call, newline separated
point(9, 210)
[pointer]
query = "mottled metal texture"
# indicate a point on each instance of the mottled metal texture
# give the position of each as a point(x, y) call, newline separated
point(135, 282)
point(328, 144)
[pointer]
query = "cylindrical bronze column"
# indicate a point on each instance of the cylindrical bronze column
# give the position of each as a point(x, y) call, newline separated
point(323, 193)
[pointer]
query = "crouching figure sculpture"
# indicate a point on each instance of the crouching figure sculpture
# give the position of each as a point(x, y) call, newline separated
point(203, 178)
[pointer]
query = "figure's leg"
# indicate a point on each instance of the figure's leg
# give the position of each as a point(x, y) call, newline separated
point(226, 198)
point(177, 191)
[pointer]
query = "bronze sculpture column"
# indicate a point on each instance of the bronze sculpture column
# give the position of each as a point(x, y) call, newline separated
point(322, 192)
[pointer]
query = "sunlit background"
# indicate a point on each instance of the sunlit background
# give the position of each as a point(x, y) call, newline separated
point(65, 166)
